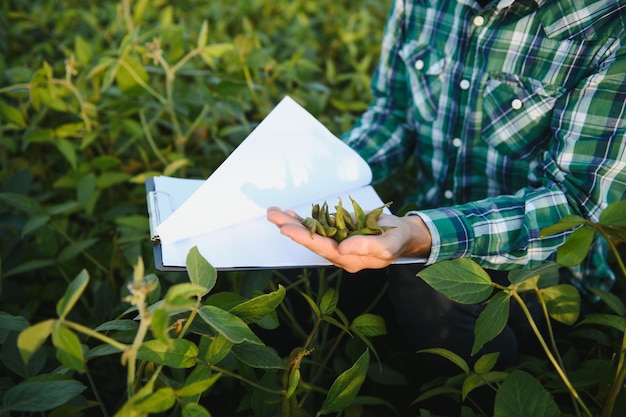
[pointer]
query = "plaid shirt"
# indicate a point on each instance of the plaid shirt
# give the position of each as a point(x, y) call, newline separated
point(515, 115)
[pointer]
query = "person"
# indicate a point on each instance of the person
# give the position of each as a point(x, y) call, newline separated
point(514, 113)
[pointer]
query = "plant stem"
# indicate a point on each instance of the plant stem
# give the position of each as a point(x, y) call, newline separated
point(551, 357)
point(620, 372)
point(130, 355)
point(243, 379)
point(186, 58)
point(96, 393)
point(197, 121)
point(613, 248)
point(321, 367)
point(150, 139)
point(130, 27)
point(553, 340)
point(142, 83)
point(96, 335)
point(616, 386)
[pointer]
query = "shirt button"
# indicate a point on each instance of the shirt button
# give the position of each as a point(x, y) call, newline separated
point(448, 194)
point(478, 21)
point(464, 84)
point(456, 142)
point(516, 104)
point(419, 65)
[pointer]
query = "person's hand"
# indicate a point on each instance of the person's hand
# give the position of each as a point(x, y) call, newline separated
point(409, 237)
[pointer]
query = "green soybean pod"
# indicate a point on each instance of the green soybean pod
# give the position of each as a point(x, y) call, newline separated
point(359, 214)
point(340, 222)
point(315, 211)
point(340, 235)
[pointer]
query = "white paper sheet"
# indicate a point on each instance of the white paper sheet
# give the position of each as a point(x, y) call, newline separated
point(256, 243)
point(289, 159)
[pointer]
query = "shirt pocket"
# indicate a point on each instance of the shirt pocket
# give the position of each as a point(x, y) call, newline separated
point(424, 67)
point(517, 113)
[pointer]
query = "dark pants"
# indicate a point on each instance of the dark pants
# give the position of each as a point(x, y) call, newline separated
point(418, 317)
point(431, 320)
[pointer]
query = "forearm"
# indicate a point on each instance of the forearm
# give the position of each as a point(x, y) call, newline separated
point(500, 232)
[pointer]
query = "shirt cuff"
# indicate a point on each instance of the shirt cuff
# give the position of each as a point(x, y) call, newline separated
point(451, 233)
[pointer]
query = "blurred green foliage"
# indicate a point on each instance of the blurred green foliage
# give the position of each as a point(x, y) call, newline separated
point(94, 98)
point(97, 97)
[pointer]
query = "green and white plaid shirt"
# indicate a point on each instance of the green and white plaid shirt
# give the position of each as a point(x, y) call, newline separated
point(515, 114)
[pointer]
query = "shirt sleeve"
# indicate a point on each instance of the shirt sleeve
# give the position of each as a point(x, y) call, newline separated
point(380, 134)
point(582, 171)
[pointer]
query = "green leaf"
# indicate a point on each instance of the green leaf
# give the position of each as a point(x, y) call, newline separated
point(69, 129)
point(140, 223)
point(566, 223)
point(174, 166)
point(521, 395)
point(109, 179)
point(41, 393)
point(562, 302)
point(229, 325)
point(258, 356)
point(23, 203)
point(314, 307)
point(72, 294)
point(449, 355)
point(159, 324)
point(67, 149)
point(369, 325)
point(215, 51)
point(547, 272)
point(474, 381)
point(12, 323)
point(253, 310)
point(461, 280)
point(576, 247)
point(329, 301)
point(82, 49)
point(11, 115)
point(130, 406)
point(30, 266)
point(159, 401)
point(152, 282)
point(486, 362)
point(491, 320)
point(12, 359)
point(203, 37)
point(217, 349)
point(31, 338)
point(178, 353)
point(609, 320)
point(194, 385)
point(120, 325)
point(76, 248)
point(195, 410)
point(200, 271)
point(129, 73)
point(611, 300)
point(443, 390)
point(68, 349)
point(34, 223)
point(614, 214)
point(41, 136)
point(180, 295)
point(345, 388)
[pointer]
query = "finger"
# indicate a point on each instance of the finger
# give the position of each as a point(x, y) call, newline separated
point(294, 214)
point(373, 247)
point(279, 217)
